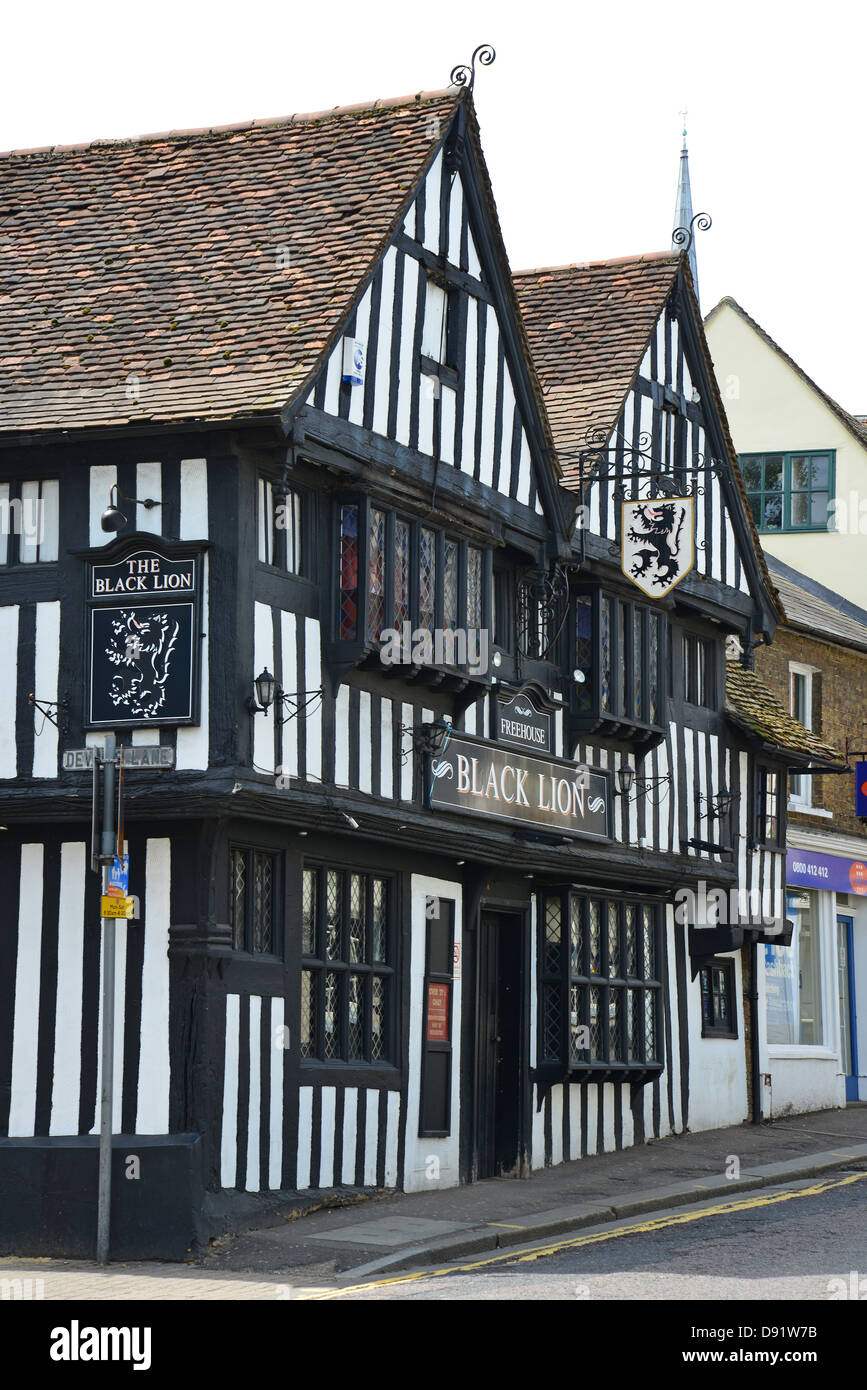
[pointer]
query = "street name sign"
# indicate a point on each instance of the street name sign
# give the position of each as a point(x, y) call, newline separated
point(159, 755)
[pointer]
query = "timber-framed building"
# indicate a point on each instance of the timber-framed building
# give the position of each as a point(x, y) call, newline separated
point(403, 921)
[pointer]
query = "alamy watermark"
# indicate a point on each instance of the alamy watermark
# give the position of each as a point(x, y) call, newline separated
point(23, 517)
point(714, 907)
point(441, 646)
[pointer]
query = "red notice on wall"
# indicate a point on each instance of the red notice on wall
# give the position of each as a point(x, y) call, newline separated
point(437, 1012)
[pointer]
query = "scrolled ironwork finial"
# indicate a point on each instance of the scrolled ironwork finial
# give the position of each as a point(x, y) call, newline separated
point(683, 236)
point(464, 75)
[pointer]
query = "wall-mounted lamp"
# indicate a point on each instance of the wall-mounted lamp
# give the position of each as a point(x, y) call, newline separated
point(269, 692)
point(113, 518)
point(625, 779)
point(719, 805)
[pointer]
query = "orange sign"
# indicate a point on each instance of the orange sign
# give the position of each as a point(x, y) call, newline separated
point(858, 878)
point(437, 1012)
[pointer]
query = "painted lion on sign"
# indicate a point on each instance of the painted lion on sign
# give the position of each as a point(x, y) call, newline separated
point(140, 647)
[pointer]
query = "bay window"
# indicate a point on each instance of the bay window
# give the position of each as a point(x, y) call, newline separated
point(618, 665)
point(394, 570)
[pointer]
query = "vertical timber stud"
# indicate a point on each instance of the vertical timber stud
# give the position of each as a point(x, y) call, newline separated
point(107, 849)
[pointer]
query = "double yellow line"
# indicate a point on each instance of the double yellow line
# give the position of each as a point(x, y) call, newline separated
point(538, 1252)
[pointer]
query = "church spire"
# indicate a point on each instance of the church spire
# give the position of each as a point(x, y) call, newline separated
point(683, 208)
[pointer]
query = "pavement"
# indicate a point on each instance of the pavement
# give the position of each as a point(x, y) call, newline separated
point(342, 1236)
point(408, 1230)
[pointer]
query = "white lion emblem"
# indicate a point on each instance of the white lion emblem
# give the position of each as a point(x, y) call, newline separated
point(141, 648)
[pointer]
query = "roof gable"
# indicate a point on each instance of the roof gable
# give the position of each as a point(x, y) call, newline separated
point(196, 275)
point(588, 327)
point(595, 330)
point(854, 426)
point(444, 281)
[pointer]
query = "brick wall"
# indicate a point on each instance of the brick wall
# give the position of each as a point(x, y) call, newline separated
point(842, 708)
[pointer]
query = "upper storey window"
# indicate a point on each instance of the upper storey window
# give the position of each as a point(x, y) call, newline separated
point(279, 527)
point(618, 665)
point(29, 522)
point(790, 492)
point(400, 578)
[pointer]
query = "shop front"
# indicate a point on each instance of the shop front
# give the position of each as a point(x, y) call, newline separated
point(811, 987)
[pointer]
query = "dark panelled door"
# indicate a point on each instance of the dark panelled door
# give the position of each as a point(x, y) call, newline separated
point(498, 1051)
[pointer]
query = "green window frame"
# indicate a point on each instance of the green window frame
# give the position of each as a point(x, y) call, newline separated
point(790, 492)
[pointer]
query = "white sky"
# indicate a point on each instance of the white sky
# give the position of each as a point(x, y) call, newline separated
point(579, 118)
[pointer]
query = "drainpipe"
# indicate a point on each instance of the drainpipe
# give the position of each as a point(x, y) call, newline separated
point(754, 1033)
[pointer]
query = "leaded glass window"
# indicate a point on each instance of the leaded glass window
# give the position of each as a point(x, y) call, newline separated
point(583, 651)
point(427, 579)
point(474, 588)
point(450, 583)
point(599, 999)
point(347, 985)
point(348, 611)
point(376, 574)
point(253, 900)
point(617, 661)
point(401, 572)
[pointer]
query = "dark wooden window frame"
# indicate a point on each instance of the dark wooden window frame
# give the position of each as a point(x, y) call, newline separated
point(318, 965)
point(278, 539)
point(13, 537)
point(587, 708)
point(712, 1027)
point(560, 972)
point(693, 646)
point(248, 928)
point(759, 773)
point(366, 505)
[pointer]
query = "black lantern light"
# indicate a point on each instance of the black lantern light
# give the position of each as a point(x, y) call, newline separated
point(625, 779)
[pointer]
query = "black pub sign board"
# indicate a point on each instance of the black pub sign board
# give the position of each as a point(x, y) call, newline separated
point(521, 723)
point(487, 779)
point(143, 616)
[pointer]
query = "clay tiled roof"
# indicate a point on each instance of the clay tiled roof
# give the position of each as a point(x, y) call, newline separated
point(195, 275)
point(754, 708)
point(856, 426)
point(588, 327)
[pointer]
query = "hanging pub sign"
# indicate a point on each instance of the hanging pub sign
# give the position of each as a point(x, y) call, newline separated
point(861, 790)
point(657, 548)
point(143, 638)
point(484, 779)
point(519, 722)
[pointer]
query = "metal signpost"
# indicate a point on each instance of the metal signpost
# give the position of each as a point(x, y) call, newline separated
point(108, 858)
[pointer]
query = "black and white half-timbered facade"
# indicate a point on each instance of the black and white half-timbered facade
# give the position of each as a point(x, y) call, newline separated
point(434, 638)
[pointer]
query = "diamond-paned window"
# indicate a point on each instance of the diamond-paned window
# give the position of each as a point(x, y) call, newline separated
point(450, 584)
point(253, 900)
point(401, 572)
point(427, 579)
point(474, 587)
point(376, 574)
point(610, 1023)
point(348, 562)
point(348, 984)
point(553, 933)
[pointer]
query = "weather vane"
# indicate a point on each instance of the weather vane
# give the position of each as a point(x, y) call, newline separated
point(464, 75)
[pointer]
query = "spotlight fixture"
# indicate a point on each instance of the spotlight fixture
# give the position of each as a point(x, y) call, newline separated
point(113, 518)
